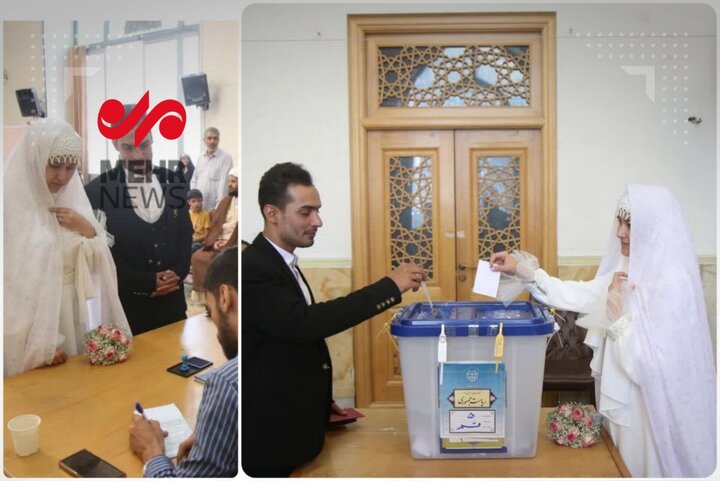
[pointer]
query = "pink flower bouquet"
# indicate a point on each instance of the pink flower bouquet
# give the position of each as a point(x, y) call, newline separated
point(572, 424)
point(106, 345)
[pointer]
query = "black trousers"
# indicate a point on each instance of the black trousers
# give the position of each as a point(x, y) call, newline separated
point(146, 313)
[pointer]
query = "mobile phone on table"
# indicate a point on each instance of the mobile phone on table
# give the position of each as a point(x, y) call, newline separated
point(85, 464)
point(199, 362)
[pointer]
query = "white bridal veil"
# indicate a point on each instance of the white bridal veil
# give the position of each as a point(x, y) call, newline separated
point(671, 342)
point(33, 251)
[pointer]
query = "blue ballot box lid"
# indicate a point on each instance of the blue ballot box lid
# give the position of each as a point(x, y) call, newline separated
point(521, 318)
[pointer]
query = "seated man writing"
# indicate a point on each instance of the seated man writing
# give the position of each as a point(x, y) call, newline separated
point(212, 450)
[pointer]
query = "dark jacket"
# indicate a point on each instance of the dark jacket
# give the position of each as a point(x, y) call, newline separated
point(141, 249)
point(286, 368)
point(186, 177)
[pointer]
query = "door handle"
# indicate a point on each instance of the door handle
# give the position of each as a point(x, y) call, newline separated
point(462, 266)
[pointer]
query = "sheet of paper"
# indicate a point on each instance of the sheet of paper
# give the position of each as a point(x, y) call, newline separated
point(486, 281)
point(172, 421)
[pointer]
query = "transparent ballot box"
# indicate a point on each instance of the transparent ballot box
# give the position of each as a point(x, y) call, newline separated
point(475, 391)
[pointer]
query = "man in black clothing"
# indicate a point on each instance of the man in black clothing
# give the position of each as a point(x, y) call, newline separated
point(147, 214)
point(286, 368)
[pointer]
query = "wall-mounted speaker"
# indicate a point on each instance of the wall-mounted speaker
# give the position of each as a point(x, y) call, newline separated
point(195, 89)
point(29, 103)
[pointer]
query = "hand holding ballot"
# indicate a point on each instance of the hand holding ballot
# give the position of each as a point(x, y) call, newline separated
point(503, 262)
point(408, 276)
point(520, 264)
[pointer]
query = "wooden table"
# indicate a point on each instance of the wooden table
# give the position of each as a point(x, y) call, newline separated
point(91, 407)
point(377, 445)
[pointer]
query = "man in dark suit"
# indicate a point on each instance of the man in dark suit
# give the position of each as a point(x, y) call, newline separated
point(147, 215)
point(286, 369)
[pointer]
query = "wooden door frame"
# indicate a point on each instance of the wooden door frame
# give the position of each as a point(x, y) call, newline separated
point(360, 29)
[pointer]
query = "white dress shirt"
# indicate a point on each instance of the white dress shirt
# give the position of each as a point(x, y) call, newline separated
point(147, 198)
point(291, 260)
point(211, 177)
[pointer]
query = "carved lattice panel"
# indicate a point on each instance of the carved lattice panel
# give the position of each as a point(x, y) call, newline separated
point(411, 202)
point(498, 201)
point(454, 76)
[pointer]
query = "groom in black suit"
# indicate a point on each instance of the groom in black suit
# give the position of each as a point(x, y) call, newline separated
point(286, 369)
point(148, 217)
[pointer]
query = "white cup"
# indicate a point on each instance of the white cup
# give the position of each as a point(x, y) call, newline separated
point(25, 432)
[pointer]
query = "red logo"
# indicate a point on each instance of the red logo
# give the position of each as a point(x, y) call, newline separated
point(112, 111)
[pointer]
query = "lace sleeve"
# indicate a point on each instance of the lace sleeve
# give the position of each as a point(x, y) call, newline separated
point(621, 332)
point(512, 285)
point(101, 219)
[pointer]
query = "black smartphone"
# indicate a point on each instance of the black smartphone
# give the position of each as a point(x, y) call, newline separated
point(85, 464)
point(199, 362)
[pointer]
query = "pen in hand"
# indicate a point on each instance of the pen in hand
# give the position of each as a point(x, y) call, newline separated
point(140, 411)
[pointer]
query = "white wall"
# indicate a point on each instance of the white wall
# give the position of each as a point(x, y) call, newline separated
point(23, 63)
point(37, 57)
point(611, 132)
point(295, 108)
point(219, 46)
point(58, 39)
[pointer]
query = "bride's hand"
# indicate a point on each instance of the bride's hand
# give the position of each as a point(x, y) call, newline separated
point(59, 357)
point(618, 281)
point(503, 262)
point(71, 220)
point(614, 303)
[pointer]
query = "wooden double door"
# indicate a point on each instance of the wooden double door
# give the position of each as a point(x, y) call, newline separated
point(444, 199)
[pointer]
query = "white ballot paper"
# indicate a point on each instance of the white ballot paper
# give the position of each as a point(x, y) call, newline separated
point(486, 281)
point(172, 421)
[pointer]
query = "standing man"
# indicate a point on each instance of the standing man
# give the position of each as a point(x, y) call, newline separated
point(211, 173)
point(286, 373)
point(146, 213)
point(211, 451)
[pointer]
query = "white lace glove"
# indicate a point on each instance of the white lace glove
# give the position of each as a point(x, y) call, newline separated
point(101, 219)
point(512, 285)
point(616, 294)
point(620, 329)
point(527, 264)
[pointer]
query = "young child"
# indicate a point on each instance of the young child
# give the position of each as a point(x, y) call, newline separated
point(199, 217)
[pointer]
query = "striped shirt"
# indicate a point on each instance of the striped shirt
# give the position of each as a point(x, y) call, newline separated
point(215, 452)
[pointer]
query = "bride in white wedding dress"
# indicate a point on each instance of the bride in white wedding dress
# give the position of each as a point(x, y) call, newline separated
point(59, 278)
